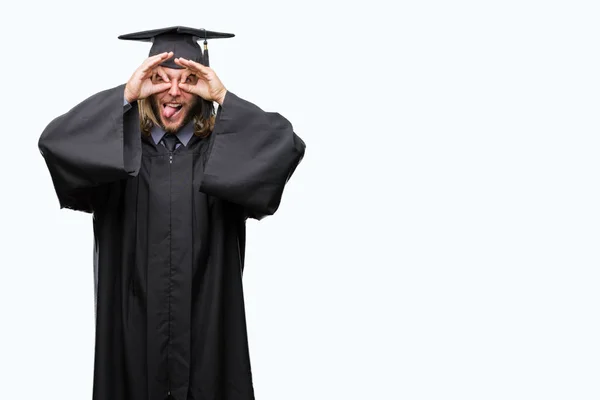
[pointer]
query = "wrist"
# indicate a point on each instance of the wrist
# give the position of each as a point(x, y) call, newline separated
point(221, 98)
point(127, 96)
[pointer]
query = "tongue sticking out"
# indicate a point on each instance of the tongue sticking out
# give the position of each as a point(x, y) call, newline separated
point(168, 111)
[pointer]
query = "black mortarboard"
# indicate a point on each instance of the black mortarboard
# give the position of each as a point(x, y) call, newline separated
point(181, 40)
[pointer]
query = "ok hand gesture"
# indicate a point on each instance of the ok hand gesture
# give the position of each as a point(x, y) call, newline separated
point(201, 81)
point(140, 85)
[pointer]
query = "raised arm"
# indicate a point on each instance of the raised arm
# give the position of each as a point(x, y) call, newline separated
point(97, 141)
point(252, 153)
point(252, 156)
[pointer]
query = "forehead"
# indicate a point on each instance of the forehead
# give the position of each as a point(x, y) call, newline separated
point(172, 72)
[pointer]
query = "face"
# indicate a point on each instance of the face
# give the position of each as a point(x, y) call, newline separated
point(174, 107)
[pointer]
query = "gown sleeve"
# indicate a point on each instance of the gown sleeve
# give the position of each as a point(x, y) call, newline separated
point(252, 156)
point(93, 144)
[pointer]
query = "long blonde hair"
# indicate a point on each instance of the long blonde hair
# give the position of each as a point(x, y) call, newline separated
point(203, 126)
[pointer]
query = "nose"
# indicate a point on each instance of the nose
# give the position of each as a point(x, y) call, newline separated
point(174, 90)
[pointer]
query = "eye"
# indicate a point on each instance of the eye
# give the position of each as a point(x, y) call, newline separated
point(191, 79)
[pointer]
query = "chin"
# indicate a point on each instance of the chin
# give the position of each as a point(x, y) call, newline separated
point(179, 119)
point(173, 126)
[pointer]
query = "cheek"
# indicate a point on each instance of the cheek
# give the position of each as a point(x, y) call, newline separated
point(189, 100)
point(156, 99)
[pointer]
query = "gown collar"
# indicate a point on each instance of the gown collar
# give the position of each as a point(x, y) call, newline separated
point(184, 134)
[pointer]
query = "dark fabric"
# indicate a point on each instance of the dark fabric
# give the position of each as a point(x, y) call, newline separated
point(181, 40)
point(170, 141)
point(169, 246)
point(252, 156)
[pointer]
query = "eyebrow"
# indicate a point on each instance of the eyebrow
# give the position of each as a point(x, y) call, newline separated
point(172, 77)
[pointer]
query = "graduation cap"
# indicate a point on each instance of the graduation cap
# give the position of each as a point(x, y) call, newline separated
point(181, 40)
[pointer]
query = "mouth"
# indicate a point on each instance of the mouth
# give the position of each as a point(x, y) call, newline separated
point(171, 110)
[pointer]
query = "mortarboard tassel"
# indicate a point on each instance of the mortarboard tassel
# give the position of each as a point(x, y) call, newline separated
point(208, 108)
point(200, 59)
point(205, 55)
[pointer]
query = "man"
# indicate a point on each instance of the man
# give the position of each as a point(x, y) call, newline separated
point(170, 185)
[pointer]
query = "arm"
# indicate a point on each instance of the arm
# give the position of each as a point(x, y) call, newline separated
point(252, 156)
point(98, 141)
point(93, 144)
point(252, 153)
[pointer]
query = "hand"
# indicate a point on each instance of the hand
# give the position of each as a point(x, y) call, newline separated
point(140, 84)
point(203, 81)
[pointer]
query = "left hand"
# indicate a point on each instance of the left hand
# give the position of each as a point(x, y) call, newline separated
point(206, 83)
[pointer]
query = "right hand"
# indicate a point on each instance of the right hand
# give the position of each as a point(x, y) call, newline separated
point(140, 84)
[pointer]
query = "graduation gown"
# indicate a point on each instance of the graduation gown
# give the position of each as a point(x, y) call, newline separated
point(169, 244)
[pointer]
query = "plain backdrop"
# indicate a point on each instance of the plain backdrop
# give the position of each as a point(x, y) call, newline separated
point(440, 239)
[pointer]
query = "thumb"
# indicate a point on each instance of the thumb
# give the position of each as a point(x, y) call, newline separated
point(161, 87)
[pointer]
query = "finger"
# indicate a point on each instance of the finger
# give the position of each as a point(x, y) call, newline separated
point(184, 75)
point(159, 58)
point(151, 71)
point(161, 87)
point(180, 61)
point(183, 62)
point(186, 87)
point(194, 66)
point(161, 72)
point(153, 61)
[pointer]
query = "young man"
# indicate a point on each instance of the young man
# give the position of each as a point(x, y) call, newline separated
point(170, 185)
